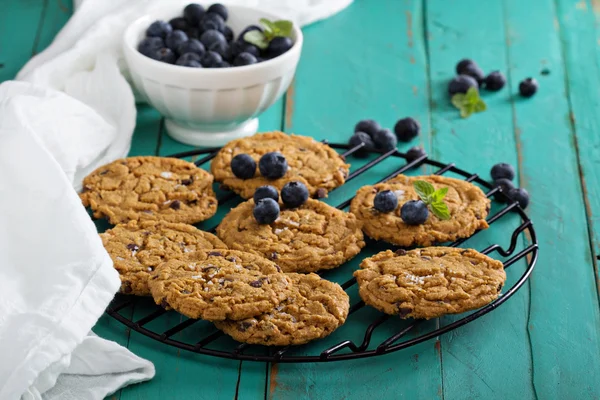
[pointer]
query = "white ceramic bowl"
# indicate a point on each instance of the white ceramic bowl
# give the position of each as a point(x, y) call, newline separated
point(210, 106)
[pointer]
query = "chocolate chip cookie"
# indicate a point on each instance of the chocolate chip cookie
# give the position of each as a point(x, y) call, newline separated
point(429, 282)
point(308, 238)
point(219, 284)
point(314, 309)
point(466, 202)
point(150, 188)
point(315, 164)
point(137, 248)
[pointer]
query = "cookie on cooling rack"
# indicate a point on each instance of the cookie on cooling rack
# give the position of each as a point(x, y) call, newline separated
point(430, 282)
point(150, 188)
point(315, 164)
point(314, 309)
point(467, 204)
point(219, 284)
point(137, 248)
point(308, 238)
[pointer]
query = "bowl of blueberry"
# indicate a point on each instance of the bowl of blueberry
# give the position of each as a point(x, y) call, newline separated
point(211, 69)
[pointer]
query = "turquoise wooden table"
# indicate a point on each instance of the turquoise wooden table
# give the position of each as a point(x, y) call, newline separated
point(388, 59)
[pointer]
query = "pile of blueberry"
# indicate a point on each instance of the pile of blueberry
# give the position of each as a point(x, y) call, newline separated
point(266, 206)
point(413, 212)
point(502, 175)
point(201, 39)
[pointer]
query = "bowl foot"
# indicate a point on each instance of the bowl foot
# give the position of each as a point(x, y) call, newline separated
point(199, 137)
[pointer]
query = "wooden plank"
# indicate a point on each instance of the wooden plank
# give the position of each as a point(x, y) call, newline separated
point(366, 62)
point(477, 362)
point(19, 22)
point(564, 318)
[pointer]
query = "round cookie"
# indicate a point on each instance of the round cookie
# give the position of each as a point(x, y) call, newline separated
point(314, 309)
point(429, 282)
point(137, 248)
point(219, 284)
point(309, 238)
point(315, 164)
point(150, 188)
point(466, 202)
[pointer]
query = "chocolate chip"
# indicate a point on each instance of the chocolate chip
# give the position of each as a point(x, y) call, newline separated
point(126, 287)
point(403, 312)
point(175, 204)
point(464, 252)
point(278, 268)
point(400, 252)
point(426, 258)
point(487, 208)
point(499, 287)
point(256, 284)
point(473, 262)
point(193, 202)
point(215, 253)
point(147, 232)
point(273, 255)
point(302, 149)
point(477, 215)
point(164, 304)
point(185, 291)
point(104, 172)
point(133, 247)
point(86, 188)
point(186, 182)
point(321, 193)
point(244, 325)
point(231, 258)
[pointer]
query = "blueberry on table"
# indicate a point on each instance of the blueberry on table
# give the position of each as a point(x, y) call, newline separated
point(414, 153)
point(414, 212)
point(150, 45)
point(222, 64)
point(278, 45)
point(368, 126)
point(175, 39)
point(189, 60)
point(179, 23)
point(502, 170)
point(474, 72)
point(266, 192)
point(463, 64)
point(266, 211)
point(192, 46)
point(273, 165)
point(243, 166)
point(193, 13)
point(528, 87)
point(461, 84)
point(246, 30)
point(228, 33)
point(220, 9)
point(210, 59)
point(385, 201)
point(294, 194)
point(165, 55)
point(159, 29)
point(244, 59)
point(505, 186)
point(358, 138)
point(212, 21)
point(495, 81)
point(385, 140)
point(521, 196)
point(407, 129)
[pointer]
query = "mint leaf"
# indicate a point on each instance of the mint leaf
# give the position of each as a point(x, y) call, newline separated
point(424, 190)
point(440, 210)
point(468, 103)
point(256, 38)
point(466, 111)
point(480, 106)
point(284, 27)
point(269, 26)
point(439, 195)
point(472, 95)
point(458, 100)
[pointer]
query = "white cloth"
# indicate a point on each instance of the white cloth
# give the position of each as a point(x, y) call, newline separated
point(71, 112)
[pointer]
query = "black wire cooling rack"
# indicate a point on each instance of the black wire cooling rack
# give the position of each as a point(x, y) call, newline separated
point(405, 333)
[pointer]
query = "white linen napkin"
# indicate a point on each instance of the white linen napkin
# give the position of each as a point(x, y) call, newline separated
point(71, 112)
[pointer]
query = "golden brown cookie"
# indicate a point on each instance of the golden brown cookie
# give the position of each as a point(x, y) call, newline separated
point(309, 238)
point(467, 204)
point(314, 309)
point(315, 164)
point(429, 282)
point(150, 188)
point(219, 284)
point(137, 248)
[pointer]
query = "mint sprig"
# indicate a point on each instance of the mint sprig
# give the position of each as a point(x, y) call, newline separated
point(468, 103)
point(433, 198)
point(271, 29)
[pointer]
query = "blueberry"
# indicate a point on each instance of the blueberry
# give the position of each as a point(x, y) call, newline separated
point(273, 165)
point(407, 129)
point(505, 187)
point(212, 21)
point(219, 9)
point(250, 48)
point(159, 29)
point(189, 60)
point(179, 23)
point(521, 196)
point(228, 33)
point(414, 212)
point(150, 45)
point(385, 140)
point(193, 33)
point(495, 81)
point(248, 29)
point(222, 64)
point(474, 72)
point(192, 46)
point(243, 166)
point(210, 59)
point(415, 153)
point(279, 45)
point(358, 138)
point(264, 192)
point(244, 59)
point(463, 64)
point(222, 49)
point(165, 55)
point(213, 40)
point(266, 211)
point(385, 201)
point(193, 13)
point(461, 83)
point(528, 87)
point(176, 39)
point(294, 194)
point(502, 170)
point(192, 64)
point(368, 126)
